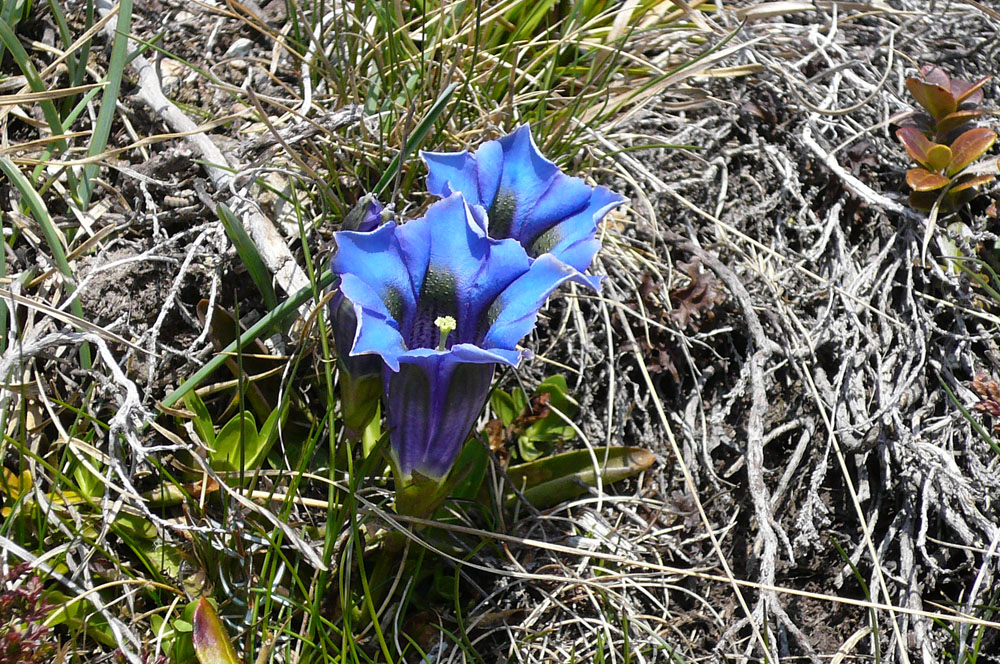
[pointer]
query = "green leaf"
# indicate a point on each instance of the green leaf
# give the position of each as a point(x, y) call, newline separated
point(248, 253)
point(475, 462)
point(552, 480)
point(542, 435)
point(263, 442)
point(939, 157)
point(504, 407)
point(212, 644)
point(202, 422)
point(232, 443)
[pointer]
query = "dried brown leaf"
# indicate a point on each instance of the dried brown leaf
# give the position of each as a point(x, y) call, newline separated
point(693, 304)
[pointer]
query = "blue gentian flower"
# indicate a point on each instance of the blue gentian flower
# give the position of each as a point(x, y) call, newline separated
point(526, 197)
point(360, 376)
point(404, 282)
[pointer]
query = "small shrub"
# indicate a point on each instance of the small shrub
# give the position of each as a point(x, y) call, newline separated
point(943, 141)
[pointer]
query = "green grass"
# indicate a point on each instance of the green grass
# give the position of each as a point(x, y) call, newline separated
point(429, 75)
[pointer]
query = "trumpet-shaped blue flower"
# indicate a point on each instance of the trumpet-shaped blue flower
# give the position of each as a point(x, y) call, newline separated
point(526, 197)
point(402, 282)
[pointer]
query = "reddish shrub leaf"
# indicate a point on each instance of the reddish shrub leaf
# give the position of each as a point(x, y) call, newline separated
point(971, 182)
point(915, 142)
point(969, 147)
point(968, 93)
point(921, 179)
point(936, 99)
point(935, 76)
point(955, 120)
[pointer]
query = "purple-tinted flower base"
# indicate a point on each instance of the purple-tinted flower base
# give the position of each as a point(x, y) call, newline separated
point(431, 407)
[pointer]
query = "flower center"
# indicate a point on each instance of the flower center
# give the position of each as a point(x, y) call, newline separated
point(447, 325)
point(437, 300)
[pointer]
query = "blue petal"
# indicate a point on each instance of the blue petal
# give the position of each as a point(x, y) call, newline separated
point(375, 259)
point(477, 177)
point(512, 315)
point(451, 172)
point(344, 322)
point(489, 169)
point(573, 240)
point(377, 329)
point(563, 197)
point(431, 405)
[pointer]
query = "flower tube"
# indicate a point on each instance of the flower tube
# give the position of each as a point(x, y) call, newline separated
point(526, 197)
point(440, 304)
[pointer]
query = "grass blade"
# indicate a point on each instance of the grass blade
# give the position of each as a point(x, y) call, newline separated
point(415, 139)
point(35, 82)
point(248, 254)
point(52, 235)
point(102, 128)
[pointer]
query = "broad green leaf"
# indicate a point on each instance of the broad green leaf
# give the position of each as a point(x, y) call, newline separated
point(78, 615)
point(531, 448)
point(212, 644)
point(552, 480)
point(232, 443)
point(921, 179)
point(256, 453)
point(503, 406)
point(541, 436)
point(90, 485)
point(474, 461)
point(969, 147)
point(939, 157)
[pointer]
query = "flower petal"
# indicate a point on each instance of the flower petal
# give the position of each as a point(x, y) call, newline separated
point(513, 313)
point(375, 258)
point(527, 175)
point(377, 330)
point(573, 240)
point(450, 172)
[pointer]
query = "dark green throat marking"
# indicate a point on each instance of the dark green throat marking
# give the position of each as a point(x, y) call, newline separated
point(393, 301)
point(501, 215)
point(438, 297)
point(545, 242)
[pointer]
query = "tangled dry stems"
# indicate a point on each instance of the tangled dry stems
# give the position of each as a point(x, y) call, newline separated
point(812, 408)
